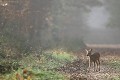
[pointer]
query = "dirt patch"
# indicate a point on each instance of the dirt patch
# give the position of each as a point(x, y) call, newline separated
point(77, 70)
point(77, 66)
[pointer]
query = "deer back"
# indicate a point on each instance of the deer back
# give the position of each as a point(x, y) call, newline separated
point(94, 56)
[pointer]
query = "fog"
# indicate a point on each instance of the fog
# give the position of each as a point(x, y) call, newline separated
point(103, 36)
point(98, 18)
point(87, 20)
point(92, 25)
point(99, 31)
point(40, 38)
point(55, 22)
point(91, 22)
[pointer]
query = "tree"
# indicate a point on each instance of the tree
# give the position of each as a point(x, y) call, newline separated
point(68, 18)
point(22, 22)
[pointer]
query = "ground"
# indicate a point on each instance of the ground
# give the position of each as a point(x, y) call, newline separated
point(60, 65)
point(110, 66)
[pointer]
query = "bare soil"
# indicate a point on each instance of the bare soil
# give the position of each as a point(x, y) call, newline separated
point(78, 70)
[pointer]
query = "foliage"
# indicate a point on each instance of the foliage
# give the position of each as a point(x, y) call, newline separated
point(18, 24)
point(57, 58)
point(48, 60)
point(42, 67)
point(116, 78)
point(24, 31)
point(115, 64)
point(50, 75)
point(7, 66)
point(35, 74)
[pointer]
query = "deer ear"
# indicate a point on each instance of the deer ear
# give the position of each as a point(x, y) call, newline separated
point(90, 50)
point(86, 50)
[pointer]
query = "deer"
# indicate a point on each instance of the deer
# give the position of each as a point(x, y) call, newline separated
point(95, 58)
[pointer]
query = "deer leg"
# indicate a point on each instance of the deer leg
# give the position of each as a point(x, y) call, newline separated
point(99, 65)
point(94, 65)
point(89, 65)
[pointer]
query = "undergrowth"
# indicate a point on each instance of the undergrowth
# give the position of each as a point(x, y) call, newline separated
point(115, 64)
point(41, 66)
point(116, 78)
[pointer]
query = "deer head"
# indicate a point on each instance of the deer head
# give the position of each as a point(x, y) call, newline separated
point(88, 52)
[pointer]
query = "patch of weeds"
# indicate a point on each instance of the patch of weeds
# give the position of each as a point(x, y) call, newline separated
point(58, 58)
point(7, 66)
point(42, 67)
point(48, 75)
point(116, 78)
point(29, 61)
point(9, 77)
point(115, 64)
point(61, 55)
point(35, 74)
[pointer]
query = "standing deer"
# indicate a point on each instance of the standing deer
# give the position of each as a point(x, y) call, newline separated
point(95, 58)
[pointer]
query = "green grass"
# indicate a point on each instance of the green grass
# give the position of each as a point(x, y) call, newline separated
point(47, 75)
point(38, 74)
point(54, 59)
point(115, 64)
point(43, 66)
point(116, 78)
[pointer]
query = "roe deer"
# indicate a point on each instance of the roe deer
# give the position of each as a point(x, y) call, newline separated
point(95, 58)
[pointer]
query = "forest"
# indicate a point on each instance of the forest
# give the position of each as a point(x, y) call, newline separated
point(46, 39)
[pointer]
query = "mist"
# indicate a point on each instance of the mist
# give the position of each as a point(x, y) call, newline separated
point(40, 38)
point(88, 22)
point(99, 31)
point(54, 23)
point(98, 18)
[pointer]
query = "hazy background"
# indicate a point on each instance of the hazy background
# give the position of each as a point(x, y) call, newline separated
point(34, 24)
point(100, 21)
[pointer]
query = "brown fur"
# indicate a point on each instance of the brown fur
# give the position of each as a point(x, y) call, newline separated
point(95, 58)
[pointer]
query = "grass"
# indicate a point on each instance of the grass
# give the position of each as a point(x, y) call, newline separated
point(42, 66)
point(58, 58)
point(116, 78)
point(37, 74)
point(115, 64)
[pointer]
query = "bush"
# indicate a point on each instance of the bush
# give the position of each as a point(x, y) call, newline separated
point(43, 66)
point(8, 66)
